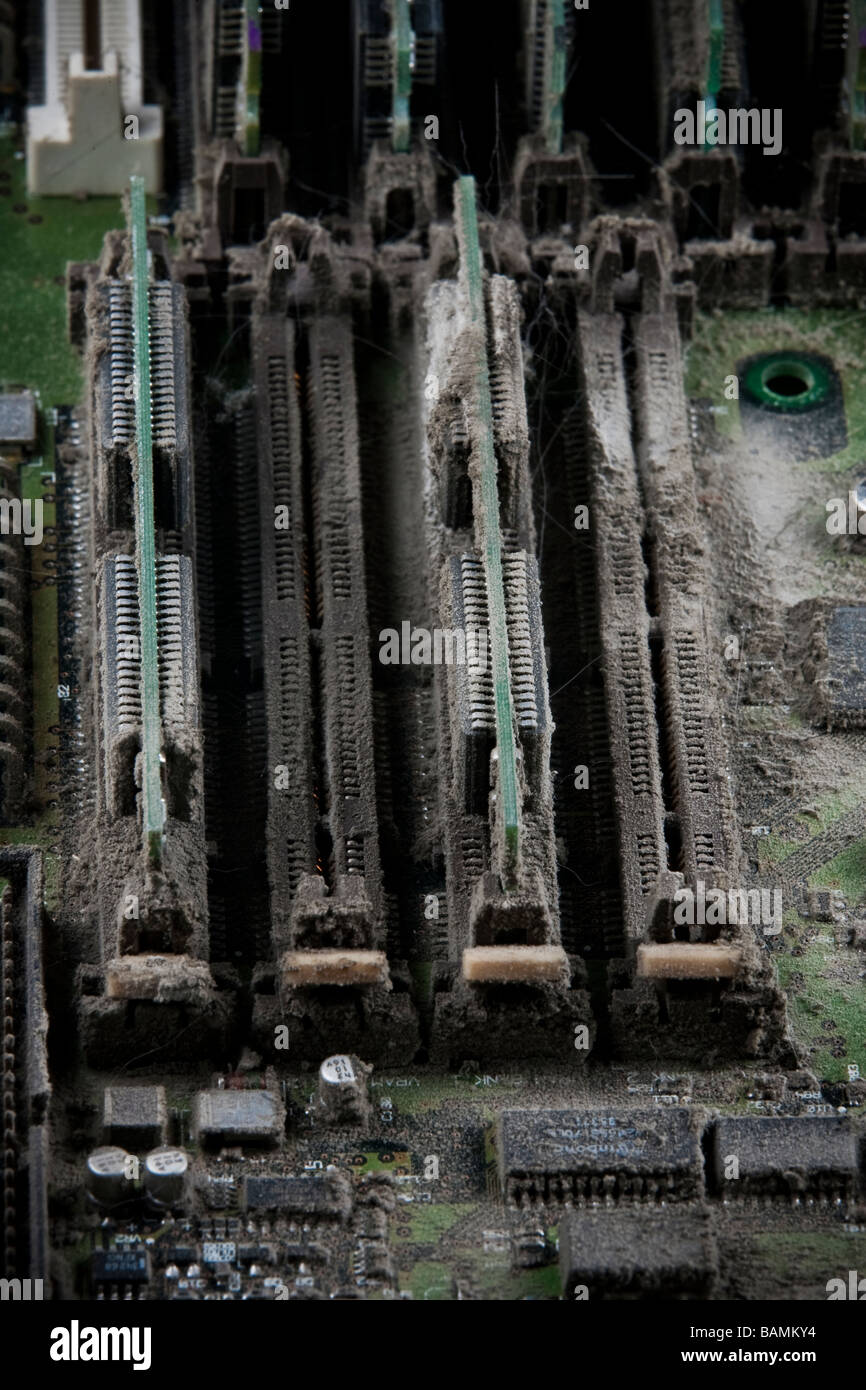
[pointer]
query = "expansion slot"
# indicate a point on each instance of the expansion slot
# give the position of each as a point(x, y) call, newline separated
point(399, 48)
point(555, 53)
point(624, 621)
point(152, 805)
point(237, 61)
point(251, 85)
point(403, 41)
point(547, 50)
point(486, 487)
point(716, 50)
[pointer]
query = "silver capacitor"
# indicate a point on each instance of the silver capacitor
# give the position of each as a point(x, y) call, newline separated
point(342, 1090)
point(110, 1174)
point(165, 1174)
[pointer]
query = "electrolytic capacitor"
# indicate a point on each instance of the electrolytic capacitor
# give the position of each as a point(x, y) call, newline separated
point(342, 1090)
point(165, 1173)
point(109, 1173)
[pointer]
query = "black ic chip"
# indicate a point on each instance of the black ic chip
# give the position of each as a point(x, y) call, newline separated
point(555, 1155)
point(120, 1267)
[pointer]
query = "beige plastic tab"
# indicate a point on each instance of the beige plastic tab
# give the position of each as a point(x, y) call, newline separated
point(514, 964)
point(687, 960)
point(327, 967)
point(165, 979)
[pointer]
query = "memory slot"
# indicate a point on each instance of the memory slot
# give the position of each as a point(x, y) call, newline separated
point(488, 537)
point(152, 805)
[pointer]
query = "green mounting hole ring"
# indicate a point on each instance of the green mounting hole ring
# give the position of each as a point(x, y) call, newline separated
point(787, 381)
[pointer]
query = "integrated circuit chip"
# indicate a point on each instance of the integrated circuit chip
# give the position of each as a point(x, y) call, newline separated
point(120, 1266)
point(233, 1117)
point(328, 1195)
point(17, 417)
point(830, 650)
point(789, 1154)
point(556, 1155)
point(846, 663)
point(637, 1254)
point(134, 1116)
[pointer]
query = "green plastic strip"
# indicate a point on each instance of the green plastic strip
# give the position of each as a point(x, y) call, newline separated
point(402, 88)
point(714, 54)
point(717, 47)
point(252, 79)
point(153, 811)
point(554, 87)
point(489, 535)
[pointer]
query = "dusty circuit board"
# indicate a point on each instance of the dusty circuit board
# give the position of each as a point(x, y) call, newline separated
point(433, 632)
